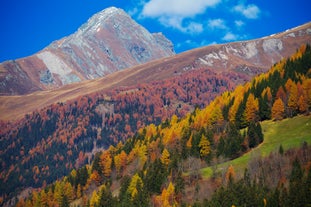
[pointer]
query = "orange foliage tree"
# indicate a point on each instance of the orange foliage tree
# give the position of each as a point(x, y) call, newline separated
point(277, 111)
point(252, 108)
point(105, 163)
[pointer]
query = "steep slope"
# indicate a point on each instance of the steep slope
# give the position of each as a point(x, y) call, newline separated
point(240, 59)
point(160, 164)
point(108, 42)
point(251, 57)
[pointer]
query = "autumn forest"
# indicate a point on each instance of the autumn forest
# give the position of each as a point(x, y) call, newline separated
point(147, 145)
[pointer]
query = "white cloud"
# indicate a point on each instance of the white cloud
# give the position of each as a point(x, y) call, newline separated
point(132, 11)
point(194, 27)
point(239, 23)
point(250, 11)
point(217, 24)
point(181, 8)
point(230, 37)
point(177, 23)
point(172, 13)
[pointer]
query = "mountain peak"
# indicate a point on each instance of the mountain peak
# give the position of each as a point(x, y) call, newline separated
point(108, 42)
point(110, 11)
point(100, 18)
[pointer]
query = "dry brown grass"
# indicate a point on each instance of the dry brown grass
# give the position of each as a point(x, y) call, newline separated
point(15, 107)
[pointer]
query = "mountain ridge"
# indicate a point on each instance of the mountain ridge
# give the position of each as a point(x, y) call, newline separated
point(214, 57)
point(109, 41)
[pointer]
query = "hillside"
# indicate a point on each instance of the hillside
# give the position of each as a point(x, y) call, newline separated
point(188, 143)
point(108, 42)
point(228, 60)
point(288, 133)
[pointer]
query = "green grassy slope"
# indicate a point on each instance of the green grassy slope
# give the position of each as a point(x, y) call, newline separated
point(288, 132)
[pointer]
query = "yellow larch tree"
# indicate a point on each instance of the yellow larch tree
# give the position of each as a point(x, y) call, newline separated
point(267, 91)
point(252, 108)
point(204, 146)
point(123, 158)
point(306, 85)
point(277, 111)
point(94, 201)
point(292, 102)
point(117, 163)
point(302, 104)
point(105, 163)
point(165, 157)
point(167, 197)
point(151, 130)
point(136, 181)
point(216, 115)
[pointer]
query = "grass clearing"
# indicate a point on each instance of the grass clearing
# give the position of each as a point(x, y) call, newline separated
point(289, 133)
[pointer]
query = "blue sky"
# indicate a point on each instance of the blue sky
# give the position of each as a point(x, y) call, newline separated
point(29, 26)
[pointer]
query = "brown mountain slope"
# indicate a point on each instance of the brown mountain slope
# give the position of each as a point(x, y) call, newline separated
point(246, 58)
point(108, 42)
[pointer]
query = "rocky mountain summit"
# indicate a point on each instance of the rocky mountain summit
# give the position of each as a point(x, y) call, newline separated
point(109, 41)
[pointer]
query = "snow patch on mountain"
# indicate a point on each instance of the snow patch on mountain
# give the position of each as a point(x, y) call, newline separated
point(56, 66)
point(272, 45)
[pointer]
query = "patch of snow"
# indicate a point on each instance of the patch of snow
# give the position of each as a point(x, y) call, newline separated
point(250, 50)
point(98, 19)
point(57, 66)
point(291, 35)
point(272, 45)
point(223, 56)
point(109, 10)
point(308, 31)
point(204, 62)
point(230, 49)
point(213, 55)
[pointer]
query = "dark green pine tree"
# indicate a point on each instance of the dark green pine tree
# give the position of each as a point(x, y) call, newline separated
point(195, 149)
point(281, 150)
point(221, 147)
point(64, 202)
point(308, 188)
point(274, 198)
point(155, 177)
point(254, 134)
point(106, 199)
point(239, 117)
point(179, 183)
point(185, 136)
point(264, 108)
point(296, 196)
point(259, 133)
point(95, 165)
point(142, 197)
point(82, 176)
point(233, 141)
point(124, 197)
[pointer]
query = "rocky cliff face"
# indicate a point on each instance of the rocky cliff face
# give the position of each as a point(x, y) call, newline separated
point(254, 56)
point(108, 42)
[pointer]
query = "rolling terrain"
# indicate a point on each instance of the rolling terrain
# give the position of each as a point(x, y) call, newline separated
point(160, 165)
point(240, 59)
point(148, 116)
point(288, 133)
